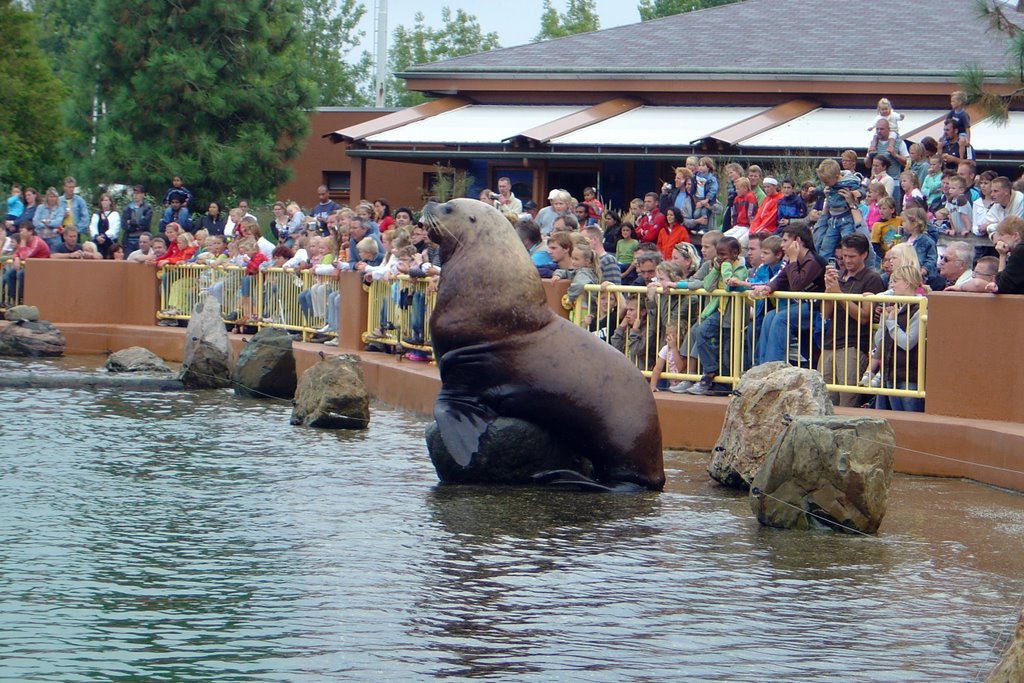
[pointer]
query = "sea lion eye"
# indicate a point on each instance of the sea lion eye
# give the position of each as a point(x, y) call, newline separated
point(447, 209)
point(472, 219)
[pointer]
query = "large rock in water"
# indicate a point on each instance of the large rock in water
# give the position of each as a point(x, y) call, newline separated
point(836, 468)
point(332, 394)
point(30, 313)
point(1011, 667)
point(266, 366)
point(754, 418)
point(207, 359)
point(27, 338)
point(135, 359)
point(511, 452)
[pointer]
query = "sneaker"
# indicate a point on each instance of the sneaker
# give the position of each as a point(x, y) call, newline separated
point(332, 342)
point(416, 357)
point(702, 388)
point(682, 387)
point(168, 323)
point(324, 330)
point(876, 381)
point(169, 311)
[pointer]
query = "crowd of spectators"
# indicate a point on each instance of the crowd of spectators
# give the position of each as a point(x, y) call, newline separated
point(840, 231)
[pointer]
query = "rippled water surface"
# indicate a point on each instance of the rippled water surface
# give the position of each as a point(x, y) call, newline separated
point(197, 537)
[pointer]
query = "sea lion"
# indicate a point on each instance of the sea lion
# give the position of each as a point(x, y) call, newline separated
point(502, 352)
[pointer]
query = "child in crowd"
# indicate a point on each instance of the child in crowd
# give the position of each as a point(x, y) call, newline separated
point(705, 189)
point(931, 186)
point(911, 190)
point(919, 162)
point(625, 248)
point(583, 272)
point(886, 231)
point(876, 191)
point(1009, 241)
point(771, 262)
point(915, 223)
point(958, 111)
point(791, 206)
point(961, 212)
point(885, 111)
point(15, 207)
point(713, 333)
point(841, 194)
point(666, 274)
point(744, 206)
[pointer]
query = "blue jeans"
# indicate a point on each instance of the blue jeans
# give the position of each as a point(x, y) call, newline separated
point(712, 352)
point(904, 403)
point(829, 232)
point(14, 282)
point(791, 316)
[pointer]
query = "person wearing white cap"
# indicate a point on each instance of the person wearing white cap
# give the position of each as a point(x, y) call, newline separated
point(559, 200)
point(767, 217)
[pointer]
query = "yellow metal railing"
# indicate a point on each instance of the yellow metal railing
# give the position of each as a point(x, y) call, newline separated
point(399, 309)
point(10, 295)
point(738, 342)
point(638, 321)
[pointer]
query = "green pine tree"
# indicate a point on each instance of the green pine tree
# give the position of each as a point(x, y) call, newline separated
point(30, 116)
point(217, 92)
point(1010, 21)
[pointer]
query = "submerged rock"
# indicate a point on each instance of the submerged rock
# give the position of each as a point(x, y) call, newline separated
point(838, 468)
point(754, 418)
point(1011, 667)
point(207, 359)
point(28, 338)
point(135, 359)
point(22, 312)
point(332, 395)
point(266, 366)
point(511, 452)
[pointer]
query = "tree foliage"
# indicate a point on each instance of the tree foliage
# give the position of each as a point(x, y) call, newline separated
point(656, 9)
point(331, 37)
point(213, 91)
point(30, 116)
point(580, 17)
point(459, 35)
point(62, 28)
point(1003, 19)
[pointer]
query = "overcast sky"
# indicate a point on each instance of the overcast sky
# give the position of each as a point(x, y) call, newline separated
point(515, 21)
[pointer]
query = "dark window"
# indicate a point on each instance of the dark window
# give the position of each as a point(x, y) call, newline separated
point(338, 181)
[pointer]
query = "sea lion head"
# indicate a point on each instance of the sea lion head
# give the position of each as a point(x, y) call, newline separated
point(468, 223)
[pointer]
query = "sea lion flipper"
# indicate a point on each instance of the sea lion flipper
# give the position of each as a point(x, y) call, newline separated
point(461, 421)
point(581, 481)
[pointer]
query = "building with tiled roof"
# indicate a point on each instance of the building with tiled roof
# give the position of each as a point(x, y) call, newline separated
point(754, 81)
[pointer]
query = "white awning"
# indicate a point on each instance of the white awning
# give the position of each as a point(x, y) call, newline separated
point(986, 136)
point(477, 124)
point(658, 126)
point(833, 129)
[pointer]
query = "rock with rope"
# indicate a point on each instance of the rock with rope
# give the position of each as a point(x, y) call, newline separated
point(757, 414)
point(266, 366)
point(829, 471)
point(332, 395)
point(136, 359)
point(31, 338)
point(206, 363)
point(1010, 668)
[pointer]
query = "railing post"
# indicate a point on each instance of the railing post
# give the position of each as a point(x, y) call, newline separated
point(354, 309)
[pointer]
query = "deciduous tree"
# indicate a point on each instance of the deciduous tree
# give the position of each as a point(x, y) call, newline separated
point(580, 17)
point(458, 35)
point(656, 9)
point(332, 37)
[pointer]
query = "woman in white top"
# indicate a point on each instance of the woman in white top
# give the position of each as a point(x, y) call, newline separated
point(105, 225)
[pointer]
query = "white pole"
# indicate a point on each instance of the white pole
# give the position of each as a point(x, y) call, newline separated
point(381, 39)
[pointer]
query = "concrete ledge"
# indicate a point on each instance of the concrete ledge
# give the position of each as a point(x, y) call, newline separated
point(983, 450)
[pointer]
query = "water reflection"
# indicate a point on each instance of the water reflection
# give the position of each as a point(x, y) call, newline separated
point(192, 536)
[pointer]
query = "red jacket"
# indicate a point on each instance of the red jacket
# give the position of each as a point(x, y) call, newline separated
point(650, 226)
point(767, 217)
point(669, 238)
point(253, 266)
point(35, 249)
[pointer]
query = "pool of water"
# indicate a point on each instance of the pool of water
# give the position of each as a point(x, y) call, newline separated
point(196, 536)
